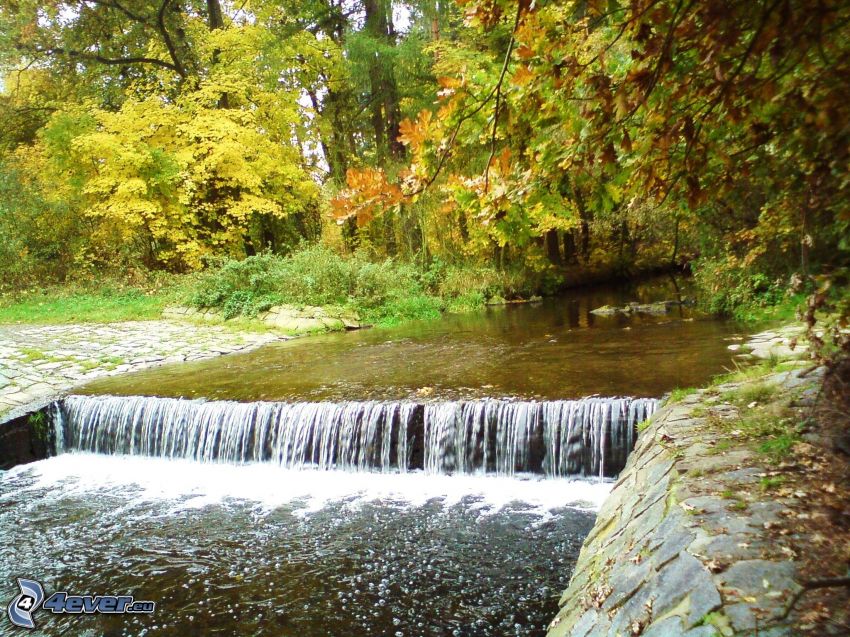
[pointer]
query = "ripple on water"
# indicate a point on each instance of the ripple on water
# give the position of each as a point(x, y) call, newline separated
point(228, 550)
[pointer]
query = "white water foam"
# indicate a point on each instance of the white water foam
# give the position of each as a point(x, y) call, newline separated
point(189, 484)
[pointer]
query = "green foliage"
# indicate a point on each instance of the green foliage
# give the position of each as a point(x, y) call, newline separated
point(679, 393)
point(314, 275)
point(384, 292)
point(728, 287)
point(38, 425)
point(770, 482)
point(751, 393)
point(779, 446)
point(497, 145)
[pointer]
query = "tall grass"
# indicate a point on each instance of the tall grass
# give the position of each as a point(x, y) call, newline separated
point(383, 292)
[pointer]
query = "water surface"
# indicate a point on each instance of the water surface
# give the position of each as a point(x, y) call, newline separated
point(549, 350)
point(259, 550)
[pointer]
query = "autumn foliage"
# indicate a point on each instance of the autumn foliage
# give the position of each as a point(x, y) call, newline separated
point(566, 135)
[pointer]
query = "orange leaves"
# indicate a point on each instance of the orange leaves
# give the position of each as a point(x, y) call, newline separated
point(413, 134)
point(522, 76)
point(368, 194)
point(448, 86)
point(525, 52)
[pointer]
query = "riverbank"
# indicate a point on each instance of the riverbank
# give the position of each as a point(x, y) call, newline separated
point(40, 362)
point(385, 292)
point(730, 508)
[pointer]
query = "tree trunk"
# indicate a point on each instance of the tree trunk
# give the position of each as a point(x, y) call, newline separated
point(386, 115)
point(584, 217)
point(215, 21)
point(569, 240)
point(553, 248)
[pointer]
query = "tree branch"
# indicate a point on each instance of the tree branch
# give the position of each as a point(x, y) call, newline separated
point(169, 43)
point(829, 582)
point(498, 91)
point(94, 57)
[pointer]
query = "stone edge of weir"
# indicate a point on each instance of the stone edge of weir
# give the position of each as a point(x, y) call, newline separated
point(39, 363)
point(669, 554)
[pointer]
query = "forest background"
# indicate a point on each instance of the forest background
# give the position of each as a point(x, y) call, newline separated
point(409, 158)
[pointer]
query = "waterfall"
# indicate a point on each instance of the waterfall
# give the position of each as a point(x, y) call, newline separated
point(590, 437)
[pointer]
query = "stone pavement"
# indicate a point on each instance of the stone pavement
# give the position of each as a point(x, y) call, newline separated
point(777, 343)
point(687, 542)
point(38, 362)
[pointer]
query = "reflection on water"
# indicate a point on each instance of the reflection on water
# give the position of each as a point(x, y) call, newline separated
point(257, 550)
point(554, 349)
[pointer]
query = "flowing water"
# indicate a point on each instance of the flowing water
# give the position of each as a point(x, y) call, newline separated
point(551, 350)
point(432, 479)
point(586, 437)
point(261, 550)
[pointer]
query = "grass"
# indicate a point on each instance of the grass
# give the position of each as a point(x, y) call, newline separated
point(780, 446)
point(784, 310)
point(73, 305)
point(765, 417)
point(678, 394)
point(31, 354)
point(771, 482)
point(382, 293)
point(751, 393)
point(744, 373)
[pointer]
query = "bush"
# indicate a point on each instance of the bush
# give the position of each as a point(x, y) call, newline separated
point(313, 275)
point(729, 288)
point(383, 292)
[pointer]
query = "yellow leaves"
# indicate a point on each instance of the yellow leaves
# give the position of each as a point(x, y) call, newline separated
point(368, 194)
point(189, 177)
point(448, 86)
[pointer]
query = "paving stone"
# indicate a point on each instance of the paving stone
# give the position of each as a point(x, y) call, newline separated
point(635, 609)
point(676, 540)
point(667, 627)
point(701, 631)
point(757, 577)
point(685, 577)
point(24, 381)
point(725, 547)
point(625, 581)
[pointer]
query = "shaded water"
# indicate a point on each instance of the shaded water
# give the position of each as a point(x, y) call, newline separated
point(260, 550)
point(553, 350)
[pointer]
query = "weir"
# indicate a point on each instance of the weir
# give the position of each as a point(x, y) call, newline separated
point(587, 437)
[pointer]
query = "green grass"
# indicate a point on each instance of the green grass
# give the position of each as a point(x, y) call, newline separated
point(31, 354)
point(642, 426)
point(678, 394)
point(771, 482)
point(59, 305)
point(765, 420)
point(750, 372)
point(751, 393)
point(780, 446)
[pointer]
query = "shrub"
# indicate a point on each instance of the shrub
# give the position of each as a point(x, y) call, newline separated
point(385, 291)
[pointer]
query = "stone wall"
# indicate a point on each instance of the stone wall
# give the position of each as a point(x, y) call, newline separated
point(288, 318)
point(24, 439)
point(680, 547)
